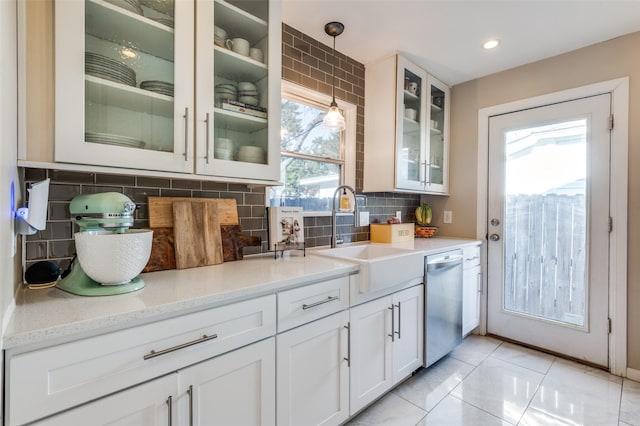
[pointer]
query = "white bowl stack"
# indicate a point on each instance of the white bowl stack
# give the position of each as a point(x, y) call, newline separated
point(226, 91)
point(250, 154)
point(223, 149)
point(248, 93)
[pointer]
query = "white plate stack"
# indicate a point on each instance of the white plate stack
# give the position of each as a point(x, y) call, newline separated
point(223, 149)
point(130, 5)
point(250, 154)
point(109, 69)
point(248, 93)
point(110, 139)
point(161, 87)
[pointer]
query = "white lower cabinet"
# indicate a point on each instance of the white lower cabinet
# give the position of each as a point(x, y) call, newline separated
point(149, 404)
point(233, 389)
point(386, 344)
point(313, 377)
point(471, 289)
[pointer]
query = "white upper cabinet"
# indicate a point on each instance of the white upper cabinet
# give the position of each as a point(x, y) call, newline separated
point(406, 129)
point(136, 86)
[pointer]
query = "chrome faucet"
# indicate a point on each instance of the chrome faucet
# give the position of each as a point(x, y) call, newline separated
point(334, 211)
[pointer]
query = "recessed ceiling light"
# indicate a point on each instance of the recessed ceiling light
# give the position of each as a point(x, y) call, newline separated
point(491, 44)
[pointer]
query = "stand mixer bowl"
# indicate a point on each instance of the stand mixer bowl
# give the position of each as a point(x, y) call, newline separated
point(113, 258)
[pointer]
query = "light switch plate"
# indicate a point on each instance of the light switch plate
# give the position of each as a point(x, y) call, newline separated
point(448, 216)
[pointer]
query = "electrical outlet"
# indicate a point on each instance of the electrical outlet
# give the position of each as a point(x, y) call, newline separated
point(399, 215)
point(448, 216)
point(364, 218)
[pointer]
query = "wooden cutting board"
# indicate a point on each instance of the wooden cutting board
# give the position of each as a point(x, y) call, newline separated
point(196, 231)
point(231, 242)
point(162, 251)
point(161, 212)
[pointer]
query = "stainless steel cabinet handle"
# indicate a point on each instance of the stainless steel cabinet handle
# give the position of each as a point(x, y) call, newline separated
point(190, 393)
point(348, 357)
point(399, 321)
point(469, 259)
point(207, 147)
point(154, 353)
point(480, 282)
point(322, 302)
point(169, 406)
point(393, 323)
point(186, 134)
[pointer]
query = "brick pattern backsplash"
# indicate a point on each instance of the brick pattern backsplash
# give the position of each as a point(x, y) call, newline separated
point(306, 62)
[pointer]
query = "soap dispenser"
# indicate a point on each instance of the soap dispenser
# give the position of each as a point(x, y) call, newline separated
point(345, 201)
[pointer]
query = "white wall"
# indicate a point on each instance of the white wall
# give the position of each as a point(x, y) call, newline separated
point(9, 261)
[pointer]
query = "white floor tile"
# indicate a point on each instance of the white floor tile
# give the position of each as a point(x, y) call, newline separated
point(575, 395)
point(475, 349)
point(453, 412)
point(500, 388)
point(429, 386)
point(524, 357)
point(389, 411)
point(630, 404)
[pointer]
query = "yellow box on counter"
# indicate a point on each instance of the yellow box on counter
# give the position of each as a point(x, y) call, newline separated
point(391, 233)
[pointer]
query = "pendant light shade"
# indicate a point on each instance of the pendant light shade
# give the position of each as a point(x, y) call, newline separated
point(334, 119)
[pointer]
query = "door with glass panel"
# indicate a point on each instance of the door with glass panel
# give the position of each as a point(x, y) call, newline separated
point(548, 227)
point(124, 83)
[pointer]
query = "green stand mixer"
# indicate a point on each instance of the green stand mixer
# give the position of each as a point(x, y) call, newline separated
point(110, 256)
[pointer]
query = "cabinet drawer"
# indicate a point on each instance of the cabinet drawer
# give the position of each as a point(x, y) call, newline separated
point(305, 304)
point(471, 256)
point(49, 380)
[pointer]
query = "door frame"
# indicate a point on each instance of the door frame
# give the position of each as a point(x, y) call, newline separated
point(619, 89)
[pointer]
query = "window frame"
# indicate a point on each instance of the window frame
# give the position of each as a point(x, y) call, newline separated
point(297, 93)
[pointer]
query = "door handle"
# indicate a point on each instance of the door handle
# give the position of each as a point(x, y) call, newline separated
point(494, 237)
point(348, 357)
point(393, 323)
point(190, 393)
point(399, 320)
point(170, 414)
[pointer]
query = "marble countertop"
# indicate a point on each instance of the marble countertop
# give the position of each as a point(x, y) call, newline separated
point(51, 316)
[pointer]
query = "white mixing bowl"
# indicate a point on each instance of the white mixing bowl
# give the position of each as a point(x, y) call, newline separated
point(112, 259)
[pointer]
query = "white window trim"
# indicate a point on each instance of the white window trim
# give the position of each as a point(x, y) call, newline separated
point(302, 94)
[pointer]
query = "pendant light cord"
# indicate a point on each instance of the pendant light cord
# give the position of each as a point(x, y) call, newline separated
point(333, 71)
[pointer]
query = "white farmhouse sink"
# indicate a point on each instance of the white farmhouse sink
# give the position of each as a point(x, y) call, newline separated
point(380, 265)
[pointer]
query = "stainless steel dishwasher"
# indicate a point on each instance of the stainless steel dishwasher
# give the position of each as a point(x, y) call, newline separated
point(443, 304)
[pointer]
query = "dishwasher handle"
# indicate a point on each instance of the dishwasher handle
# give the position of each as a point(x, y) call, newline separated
point(444, 263)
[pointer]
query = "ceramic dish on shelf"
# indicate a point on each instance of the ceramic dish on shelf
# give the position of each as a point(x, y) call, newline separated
point(111, 139)
point(161, 87)
point(169, 22)
point(104, 67)
point(249, 100)
point(162, 6)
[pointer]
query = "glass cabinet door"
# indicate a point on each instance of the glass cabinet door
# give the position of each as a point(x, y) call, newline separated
point(236, 90)
point(411, 126)
point(118, 72)
point(437, 138)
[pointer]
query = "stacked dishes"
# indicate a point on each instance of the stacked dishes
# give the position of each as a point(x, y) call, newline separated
point(109, 139)
point(130, 5)
point(223, 149)
point(104, 67)
point(251, 154)
point(219, 36)
point(162, 6)
point(248, 93)
point(161, 87)
point(226, 92)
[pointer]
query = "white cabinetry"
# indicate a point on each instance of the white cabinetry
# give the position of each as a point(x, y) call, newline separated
point(312, 365)
point(46, 381)
point(386, 344)
point(236, 388)
point(405, 105)
point(126, 91)
point(149, 404)
point(471, 289)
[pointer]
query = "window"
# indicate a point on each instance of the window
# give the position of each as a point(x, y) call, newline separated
point(314, 160)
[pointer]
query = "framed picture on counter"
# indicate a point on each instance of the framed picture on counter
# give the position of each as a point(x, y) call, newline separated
point(285, 225)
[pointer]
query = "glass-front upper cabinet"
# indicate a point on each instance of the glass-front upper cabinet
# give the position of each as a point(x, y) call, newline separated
point(411, 126)
point(124, 83)
point(238, 50)
point(438, 115)
point(403, 103)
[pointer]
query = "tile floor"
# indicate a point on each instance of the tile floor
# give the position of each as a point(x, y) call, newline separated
point(486, 382)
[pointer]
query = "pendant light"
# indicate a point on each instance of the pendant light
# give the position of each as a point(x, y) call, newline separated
point(333, 119)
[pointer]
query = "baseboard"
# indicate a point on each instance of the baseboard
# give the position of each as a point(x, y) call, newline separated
point(633, 374)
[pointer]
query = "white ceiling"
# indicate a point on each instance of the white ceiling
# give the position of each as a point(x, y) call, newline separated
point(445, 36)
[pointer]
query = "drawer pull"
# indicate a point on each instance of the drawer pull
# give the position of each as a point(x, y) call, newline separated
point(327, 300)
point(469, 259)
point(154, 354)
point(169, 410)
point(190, 393)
